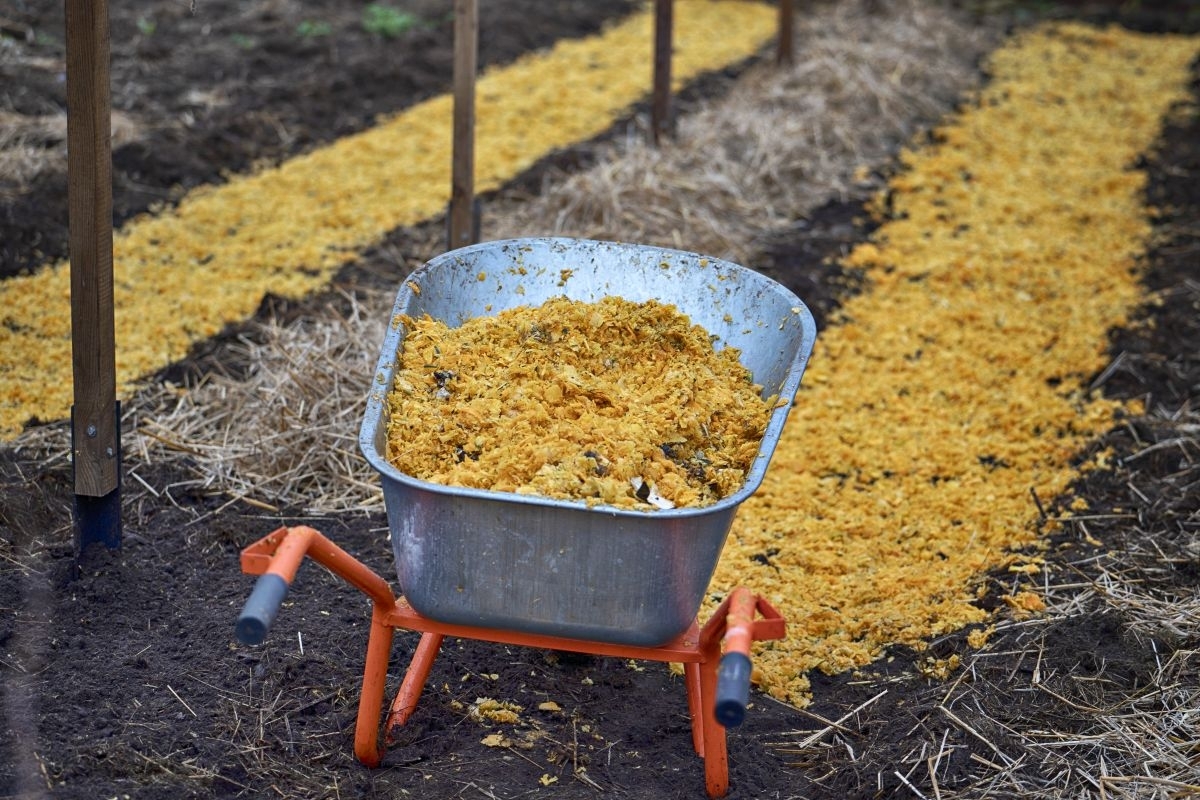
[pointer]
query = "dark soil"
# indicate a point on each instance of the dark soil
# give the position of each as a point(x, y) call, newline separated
point(123, 679)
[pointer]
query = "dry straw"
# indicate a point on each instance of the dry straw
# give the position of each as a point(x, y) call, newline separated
point(1125, 724)
point(865, 80)
point(287, 436)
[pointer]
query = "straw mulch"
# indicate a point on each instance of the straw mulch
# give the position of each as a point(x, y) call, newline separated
point(286, 436)
point(865, 80)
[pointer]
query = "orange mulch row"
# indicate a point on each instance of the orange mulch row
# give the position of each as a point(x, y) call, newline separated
point(955, 388)
point(614, 402)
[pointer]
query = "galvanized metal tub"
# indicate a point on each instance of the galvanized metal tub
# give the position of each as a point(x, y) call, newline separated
point(560, 568)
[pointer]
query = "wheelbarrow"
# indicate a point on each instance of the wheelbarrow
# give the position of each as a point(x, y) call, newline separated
point(560, 574)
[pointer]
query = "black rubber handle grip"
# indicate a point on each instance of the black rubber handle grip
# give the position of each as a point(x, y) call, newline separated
point(261, 608)
point(733, 689)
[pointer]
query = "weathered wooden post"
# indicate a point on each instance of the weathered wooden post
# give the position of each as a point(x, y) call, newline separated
point(463, 222)
point(661, 123)
point(95, 415)
point(784, 56)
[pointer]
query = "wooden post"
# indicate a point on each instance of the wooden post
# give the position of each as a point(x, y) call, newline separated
point(661, 124)
point(95, 415)
point(463, 222)
point(784, 56)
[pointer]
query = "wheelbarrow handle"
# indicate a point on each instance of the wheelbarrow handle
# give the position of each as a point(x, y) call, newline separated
point(261, 608)
point(733, 689)
point(277, 557)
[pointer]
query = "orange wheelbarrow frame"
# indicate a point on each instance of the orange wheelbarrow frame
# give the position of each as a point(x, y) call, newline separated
point(715, 656)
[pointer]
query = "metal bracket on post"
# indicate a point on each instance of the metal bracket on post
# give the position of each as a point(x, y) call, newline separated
point(98, 518)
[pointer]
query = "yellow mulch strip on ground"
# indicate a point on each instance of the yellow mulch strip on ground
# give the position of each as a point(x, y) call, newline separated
point(952, 388)
point(182, 276)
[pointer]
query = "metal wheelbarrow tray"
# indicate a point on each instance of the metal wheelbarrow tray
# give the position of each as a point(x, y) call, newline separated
point(561, 568)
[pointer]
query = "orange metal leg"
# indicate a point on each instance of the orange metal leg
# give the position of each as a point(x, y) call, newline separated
point(691, 679)
point(369, 746)
point(414, 681)
point(716, 757)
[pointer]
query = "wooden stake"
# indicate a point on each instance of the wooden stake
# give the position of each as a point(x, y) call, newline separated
point(464, 212)
point(661, 124)
point(784, 56)
point(94, 416)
